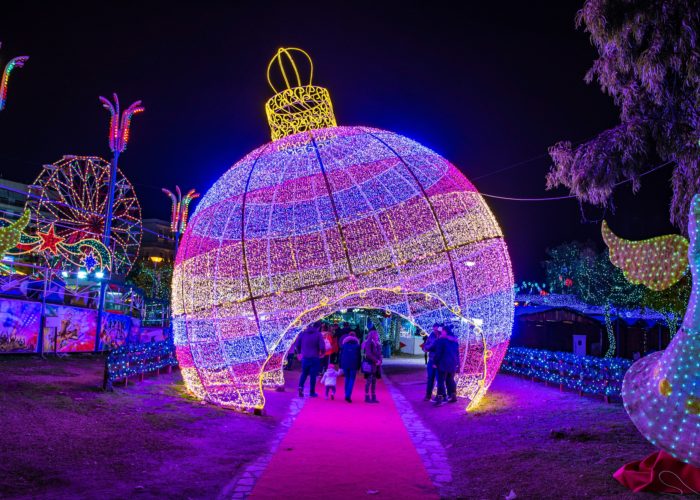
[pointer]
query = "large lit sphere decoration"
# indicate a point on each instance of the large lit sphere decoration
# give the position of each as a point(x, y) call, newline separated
point(661, 391)
point(331, 218)
point(71, 196)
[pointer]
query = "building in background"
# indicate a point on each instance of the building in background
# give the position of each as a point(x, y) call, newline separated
point(13, 196)
point(157, 240)
point(563, 323)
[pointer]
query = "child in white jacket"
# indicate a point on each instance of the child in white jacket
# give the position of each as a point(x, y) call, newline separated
point(329, 380)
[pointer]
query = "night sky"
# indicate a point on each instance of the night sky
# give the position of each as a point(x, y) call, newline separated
point(489, 87)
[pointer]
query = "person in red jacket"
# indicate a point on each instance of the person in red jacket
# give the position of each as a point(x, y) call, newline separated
point(328, 347)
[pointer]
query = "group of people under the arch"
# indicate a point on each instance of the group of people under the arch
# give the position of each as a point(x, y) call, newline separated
point(332, 351)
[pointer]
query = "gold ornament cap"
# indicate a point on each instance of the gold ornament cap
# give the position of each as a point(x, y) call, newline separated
point(299, 107)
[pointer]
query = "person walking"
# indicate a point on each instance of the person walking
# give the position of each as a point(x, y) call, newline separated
point(350, 358)
point(334, 341)
point(329, 379)
point(372, 348)
point(446, 362)
point(428, 347)
point(311, 348)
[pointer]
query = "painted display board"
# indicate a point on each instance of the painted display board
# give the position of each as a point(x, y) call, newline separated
point(69, 329)
point(66, 329)
point(19, 326)
point(115, 331)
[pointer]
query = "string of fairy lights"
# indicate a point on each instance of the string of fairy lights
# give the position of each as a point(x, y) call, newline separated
point(130, 360)
point(588, 374)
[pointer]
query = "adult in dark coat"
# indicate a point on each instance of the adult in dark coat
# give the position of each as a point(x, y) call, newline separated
point(350, 359)
point(341, 334)
point(446, 362)
point(428, 347)
point(312, 348)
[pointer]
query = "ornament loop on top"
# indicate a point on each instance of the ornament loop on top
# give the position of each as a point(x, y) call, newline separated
point(299, 107)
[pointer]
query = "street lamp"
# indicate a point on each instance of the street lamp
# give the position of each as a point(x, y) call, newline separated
point(156, 275)
point(180, 211)
point(17, 62)
point(119, 126)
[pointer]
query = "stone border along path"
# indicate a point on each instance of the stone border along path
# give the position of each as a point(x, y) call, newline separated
point(427, 444)
point(242, 484)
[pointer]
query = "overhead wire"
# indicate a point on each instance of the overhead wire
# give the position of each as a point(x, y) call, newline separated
point(487, 195)
point(572, 196)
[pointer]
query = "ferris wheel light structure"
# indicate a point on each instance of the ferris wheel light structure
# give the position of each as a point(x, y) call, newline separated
point(68, 199)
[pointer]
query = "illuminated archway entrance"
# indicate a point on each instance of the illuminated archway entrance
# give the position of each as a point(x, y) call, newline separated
point(476, 355)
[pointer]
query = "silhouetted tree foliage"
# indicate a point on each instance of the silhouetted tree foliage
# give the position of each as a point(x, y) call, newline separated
point(649, 63)
point(596, 280)
point(154, 280)
point(671, 303)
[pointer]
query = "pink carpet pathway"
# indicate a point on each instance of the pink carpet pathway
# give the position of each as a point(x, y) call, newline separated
point(339, 450)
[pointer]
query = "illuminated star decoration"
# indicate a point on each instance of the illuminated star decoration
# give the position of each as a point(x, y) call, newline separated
point(49, 240)
point(14, 241)
point(661, 391)
point(17, 62)
point(325, 218)
point(90, 262)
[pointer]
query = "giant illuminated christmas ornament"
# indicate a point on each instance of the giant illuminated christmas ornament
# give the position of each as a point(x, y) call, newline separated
point(16, 62)
point(661, 391)
point(326, 218)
